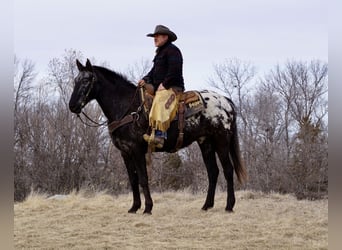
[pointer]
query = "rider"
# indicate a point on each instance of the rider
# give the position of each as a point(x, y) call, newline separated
point(166, 73)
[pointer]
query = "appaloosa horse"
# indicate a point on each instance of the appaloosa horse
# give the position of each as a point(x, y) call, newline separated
point(214, 129)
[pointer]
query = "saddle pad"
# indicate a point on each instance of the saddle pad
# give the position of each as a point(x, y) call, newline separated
point(193, 101)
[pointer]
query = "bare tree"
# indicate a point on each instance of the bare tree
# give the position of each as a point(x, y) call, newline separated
point(55, 152)
point(138, 70)
point(24, 75)
point(310, 82)
point(302, 88)
point(283, 119)
point(233, 77)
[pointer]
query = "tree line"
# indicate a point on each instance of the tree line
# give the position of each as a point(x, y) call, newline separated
point(282, 122)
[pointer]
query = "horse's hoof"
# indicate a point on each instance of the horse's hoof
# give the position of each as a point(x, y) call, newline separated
point(206, 207)
point(133, 210)
point(148, 209)
point(229, 210)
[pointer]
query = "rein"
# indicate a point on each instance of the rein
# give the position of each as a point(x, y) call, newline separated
point(94, 125)
point(125, 118)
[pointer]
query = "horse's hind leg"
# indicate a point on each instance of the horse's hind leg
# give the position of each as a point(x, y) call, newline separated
point(208, 154)
point(228, 169)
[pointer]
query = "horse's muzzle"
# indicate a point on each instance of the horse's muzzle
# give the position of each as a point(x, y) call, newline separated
point(75, 108)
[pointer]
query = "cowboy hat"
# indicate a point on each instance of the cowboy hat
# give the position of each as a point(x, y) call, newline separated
point(161, 29)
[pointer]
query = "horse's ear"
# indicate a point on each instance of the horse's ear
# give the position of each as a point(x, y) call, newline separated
point(89, 67)
point(79, 65)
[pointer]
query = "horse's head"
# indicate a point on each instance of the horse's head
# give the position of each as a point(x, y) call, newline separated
point(84, 86)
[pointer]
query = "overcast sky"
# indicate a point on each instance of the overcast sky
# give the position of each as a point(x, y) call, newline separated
point(264, 32)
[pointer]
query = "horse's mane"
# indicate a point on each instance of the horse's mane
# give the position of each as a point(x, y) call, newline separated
point(113, 76)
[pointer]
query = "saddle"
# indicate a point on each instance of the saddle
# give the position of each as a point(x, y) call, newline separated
point(189, 104)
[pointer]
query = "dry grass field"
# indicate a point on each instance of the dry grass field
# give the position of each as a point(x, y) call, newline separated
point(101, 221)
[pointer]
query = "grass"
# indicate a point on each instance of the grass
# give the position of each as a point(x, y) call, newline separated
point(101, 221)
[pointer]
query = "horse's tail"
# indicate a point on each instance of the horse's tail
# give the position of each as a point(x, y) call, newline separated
point(235, 154)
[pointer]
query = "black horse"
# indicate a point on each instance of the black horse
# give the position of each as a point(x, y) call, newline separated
point(214, 129)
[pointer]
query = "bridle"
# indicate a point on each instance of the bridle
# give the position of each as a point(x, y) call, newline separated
point(125, 118)
point(83, 103)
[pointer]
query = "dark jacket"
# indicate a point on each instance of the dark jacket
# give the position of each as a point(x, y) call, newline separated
point(167, 68)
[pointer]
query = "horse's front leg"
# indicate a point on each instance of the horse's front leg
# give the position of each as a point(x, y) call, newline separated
point(143, 181)
point(136, 167)
point(134, 181)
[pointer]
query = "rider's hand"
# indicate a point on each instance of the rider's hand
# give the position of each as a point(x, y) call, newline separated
point(161, 87)
point(141, 83)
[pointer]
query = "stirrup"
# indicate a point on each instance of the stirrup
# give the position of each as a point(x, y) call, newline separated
point(156, 140)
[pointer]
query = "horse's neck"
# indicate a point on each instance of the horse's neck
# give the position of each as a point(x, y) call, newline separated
point(115, 101)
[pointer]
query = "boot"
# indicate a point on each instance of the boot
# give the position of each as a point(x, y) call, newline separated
point(156, 140)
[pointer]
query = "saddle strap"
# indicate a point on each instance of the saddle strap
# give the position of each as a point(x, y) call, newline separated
point(181, 111)
point(116, 124)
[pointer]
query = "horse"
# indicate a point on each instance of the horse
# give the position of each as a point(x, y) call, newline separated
point(214, 129)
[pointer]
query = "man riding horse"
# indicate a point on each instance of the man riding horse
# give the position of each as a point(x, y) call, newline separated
point(166, 76)
point(203, 116)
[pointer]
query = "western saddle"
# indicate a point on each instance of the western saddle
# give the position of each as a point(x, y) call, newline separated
point(190, 103)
